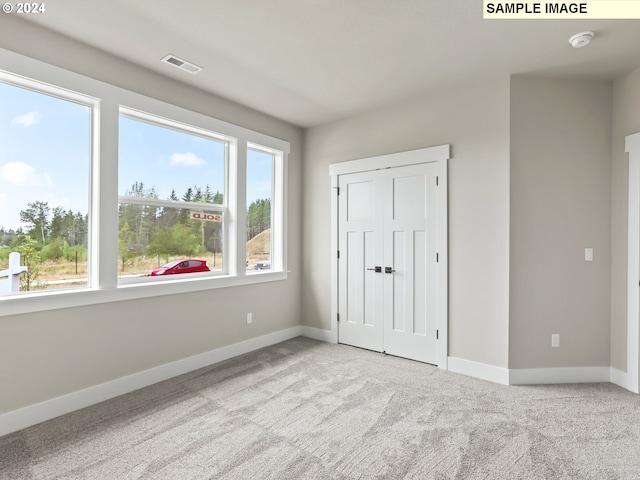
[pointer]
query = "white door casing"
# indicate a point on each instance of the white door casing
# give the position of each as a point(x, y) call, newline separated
point(411, 237)
point(632, 380)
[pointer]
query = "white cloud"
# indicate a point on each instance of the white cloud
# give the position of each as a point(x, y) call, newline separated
point(56, 201)
point(187, 159)
point(9, 213)
point(27, 119)
point(23, 174)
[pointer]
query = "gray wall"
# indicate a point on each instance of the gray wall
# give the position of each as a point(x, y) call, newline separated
point(560, 204)
point(626, 121)
point(475, 121)
point(44, 355)
point(49, 354)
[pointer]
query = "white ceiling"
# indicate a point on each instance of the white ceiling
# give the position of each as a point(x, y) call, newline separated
point(311, 62)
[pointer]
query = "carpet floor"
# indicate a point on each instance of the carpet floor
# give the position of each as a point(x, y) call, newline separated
point(309, 410)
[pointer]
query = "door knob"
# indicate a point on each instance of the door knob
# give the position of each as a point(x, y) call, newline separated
point(388, 270)
point(376, 269)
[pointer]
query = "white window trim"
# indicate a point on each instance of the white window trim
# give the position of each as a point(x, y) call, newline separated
point(93, 187)
point(278, 202)
point(154, 120)
point(103, 279)
point(157, 202)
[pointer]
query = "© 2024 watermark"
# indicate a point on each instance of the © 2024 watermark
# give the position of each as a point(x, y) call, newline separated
point(24, 8)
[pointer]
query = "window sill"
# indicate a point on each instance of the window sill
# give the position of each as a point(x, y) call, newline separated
point(45, 301)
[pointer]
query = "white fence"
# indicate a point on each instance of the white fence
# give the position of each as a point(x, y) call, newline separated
point(11, 284)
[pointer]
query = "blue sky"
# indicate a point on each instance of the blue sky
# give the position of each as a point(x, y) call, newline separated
point(45, 149)
point(259, 175)
point(167, 159)
point(44, 153)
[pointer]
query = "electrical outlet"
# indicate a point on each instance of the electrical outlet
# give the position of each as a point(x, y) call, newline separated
point(588, 254)
point(555, 339)
point(249, 317)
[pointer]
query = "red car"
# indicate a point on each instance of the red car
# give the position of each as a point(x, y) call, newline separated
point(181, 266)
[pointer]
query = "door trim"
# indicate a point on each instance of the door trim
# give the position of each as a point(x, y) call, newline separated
point(632, 147)
point(440, 155)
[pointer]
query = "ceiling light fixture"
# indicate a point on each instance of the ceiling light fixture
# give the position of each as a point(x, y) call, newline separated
point(581, 39)
point(182, 64)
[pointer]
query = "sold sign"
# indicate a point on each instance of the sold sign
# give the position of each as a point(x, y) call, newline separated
point(209, 217)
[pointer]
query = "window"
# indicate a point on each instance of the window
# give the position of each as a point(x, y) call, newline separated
point(171, 191)
point(260, 163)
point(45, 160)
point(125, 196)
point(266, 200)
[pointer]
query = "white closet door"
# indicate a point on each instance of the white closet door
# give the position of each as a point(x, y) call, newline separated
point(387, 275)
point(360, 239)
point(410, 319)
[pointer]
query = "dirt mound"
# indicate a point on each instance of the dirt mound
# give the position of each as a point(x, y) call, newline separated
point(260, 245)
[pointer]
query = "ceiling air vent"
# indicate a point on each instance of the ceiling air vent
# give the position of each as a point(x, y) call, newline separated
point(182, 64)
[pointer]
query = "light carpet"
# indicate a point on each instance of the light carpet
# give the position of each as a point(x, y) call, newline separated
point(309, 410)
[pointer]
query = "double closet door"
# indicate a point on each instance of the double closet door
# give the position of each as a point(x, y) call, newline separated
point(387, 297)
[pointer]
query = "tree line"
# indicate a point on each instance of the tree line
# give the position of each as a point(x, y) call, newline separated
point(51, 234)
point(258, 217)
point(56, 233)
point(170, 231)
point(167, 231)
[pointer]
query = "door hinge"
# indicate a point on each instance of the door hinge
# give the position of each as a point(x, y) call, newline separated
point(338, 190)
point(437, 257)
point(437, 334)
point(338, 253)
point(338, 318)
point(436, 180)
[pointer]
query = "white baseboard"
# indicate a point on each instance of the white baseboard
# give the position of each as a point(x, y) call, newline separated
point(533, 376)
point(479, 370)
point(40, 412)
point(319, 334)
point(538, 376)
point(622, 380)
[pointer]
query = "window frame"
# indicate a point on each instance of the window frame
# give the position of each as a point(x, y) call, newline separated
point(103, 213)
point(223, 209)
point(93, 103)
point(277, 206)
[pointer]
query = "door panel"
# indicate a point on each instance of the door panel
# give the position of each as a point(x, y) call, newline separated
point(409, 197)
point(369, 279)
point(354, 297)
point(399, 284)
point(419, 283)
point(360, 206)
